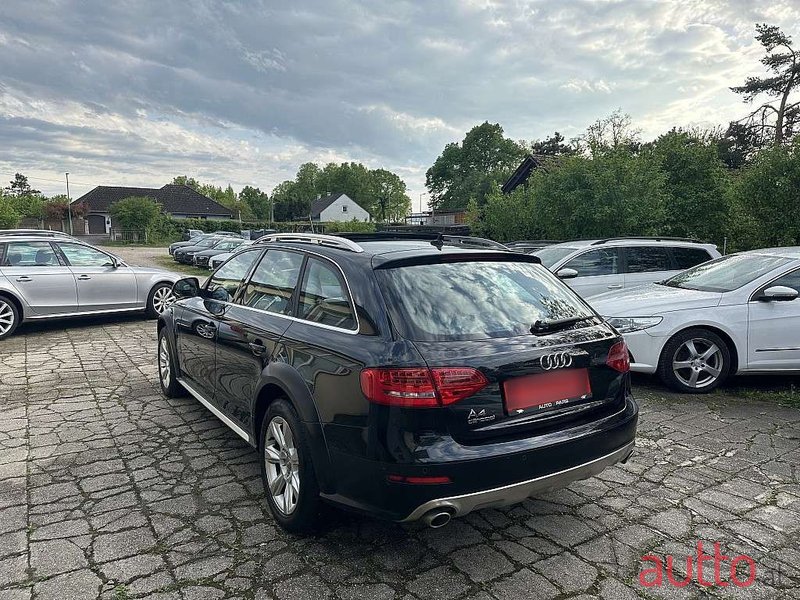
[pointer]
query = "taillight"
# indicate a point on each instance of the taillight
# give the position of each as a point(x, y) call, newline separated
point(419, 387)
point(618, 358)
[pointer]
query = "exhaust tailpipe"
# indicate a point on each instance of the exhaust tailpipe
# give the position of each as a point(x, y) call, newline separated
point(438, 517)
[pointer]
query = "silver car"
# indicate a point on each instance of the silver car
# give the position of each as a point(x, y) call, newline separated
point(46, 278)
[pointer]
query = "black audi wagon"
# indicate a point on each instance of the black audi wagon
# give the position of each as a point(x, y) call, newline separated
point(401, 376)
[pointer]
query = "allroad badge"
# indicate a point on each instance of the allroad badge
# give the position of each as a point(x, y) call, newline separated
point(478, 416)
point(558, 360)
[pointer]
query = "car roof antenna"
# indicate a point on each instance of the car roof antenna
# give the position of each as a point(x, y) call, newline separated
point(438, 242)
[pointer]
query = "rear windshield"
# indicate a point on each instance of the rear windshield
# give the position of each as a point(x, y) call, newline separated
point(475, 300)
point(552, 254)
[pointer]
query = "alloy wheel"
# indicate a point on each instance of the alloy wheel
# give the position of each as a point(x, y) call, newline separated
point(698, 363)
point(282, 466)
point(164, 369)
point(6, 317)
point(163, 299)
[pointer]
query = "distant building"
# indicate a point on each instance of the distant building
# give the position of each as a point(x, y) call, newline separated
point(337, 207)
point(178, 201)
point(443, 217)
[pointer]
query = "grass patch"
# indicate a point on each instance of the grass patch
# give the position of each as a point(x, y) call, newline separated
point(169, 264)
point(789, 396)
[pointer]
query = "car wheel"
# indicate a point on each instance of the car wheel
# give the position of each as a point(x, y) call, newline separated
point(167, 374)
point(695, 361)
point(161, 298)
point(287, 471)
point(9, 317)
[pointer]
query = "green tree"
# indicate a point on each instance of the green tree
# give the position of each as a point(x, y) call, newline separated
point(612, 133)
point(391, 203)
point(135, 212)
point(257, 202)
point(777, 118)
point(552, 145)
point(766, 197)
point(696, 185)
point(468, 170)
point(9, 218)
point(19, 186)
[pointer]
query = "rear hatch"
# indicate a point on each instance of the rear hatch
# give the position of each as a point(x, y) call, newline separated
point(537, 357)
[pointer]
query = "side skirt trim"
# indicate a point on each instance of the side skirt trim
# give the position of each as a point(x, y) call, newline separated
point(217, 412)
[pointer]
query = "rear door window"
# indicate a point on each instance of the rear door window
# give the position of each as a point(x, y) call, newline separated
point(686, 258)
point(30, 254)
point(84, 256)
point(647, 259)
point(595, 262)
point(274, 280)
point(323, 297)
point(475, 300)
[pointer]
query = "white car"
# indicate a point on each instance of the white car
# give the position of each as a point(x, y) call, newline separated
point(736, 314)
point(592, 267)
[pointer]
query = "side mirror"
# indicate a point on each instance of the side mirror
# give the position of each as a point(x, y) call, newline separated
point(188, 287)
point(778, 293)
point(566, 273)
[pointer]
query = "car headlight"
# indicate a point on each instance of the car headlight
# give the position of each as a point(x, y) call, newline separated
point(630, 324)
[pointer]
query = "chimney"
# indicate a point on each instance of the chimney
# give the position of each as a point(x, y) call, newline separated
point(319, 196)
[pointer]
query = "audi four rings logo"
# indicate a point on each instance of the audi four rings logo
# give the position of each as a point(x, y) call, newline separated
point(560, 360)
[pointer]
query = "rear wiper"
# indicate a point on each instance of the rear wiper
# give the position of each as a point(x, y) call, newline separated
point(542, 327)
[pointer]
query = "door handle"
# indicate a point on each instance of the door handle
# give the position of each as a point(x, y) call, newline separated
point(84, 278)
point(24, 278)
point(257, 348)
point(615, 286)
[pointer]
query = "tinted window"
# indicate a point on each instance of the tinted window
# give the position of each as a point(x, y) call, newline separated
point(30, 254)
point(83, 256)
point(273, 282)
point(647, 259)
point(791, 280)
point(686, 258)
point(475, 300)
point(595, 262)
point(227, 279)
point(323, 298)
point(727, 273)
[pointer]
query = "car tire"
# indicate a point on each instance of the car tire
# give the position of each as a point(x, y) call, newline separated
point(286, 468)
point(9, 317)
point(695, 361)
point(167, 371)
point(160, 298)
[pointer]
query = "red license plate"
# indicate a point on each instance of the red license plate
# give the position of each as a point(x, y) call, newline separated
point(546, 391)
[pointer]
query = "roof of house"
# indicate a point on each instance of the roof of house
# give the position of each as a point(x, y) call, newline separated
point(523, 171)
point(174, 199)
point(320, 204)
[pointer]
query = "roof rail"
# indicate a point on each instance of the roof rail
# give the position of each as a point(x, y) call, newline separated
point(437, 238)
point(658, 238)
point(330, 241)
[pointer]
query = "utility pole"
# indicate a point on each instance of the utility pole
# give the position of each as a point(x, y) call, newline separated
point(69, 205)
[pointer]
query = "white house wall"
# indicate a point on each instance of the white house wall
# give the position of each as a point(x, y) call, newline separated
point(334, 211)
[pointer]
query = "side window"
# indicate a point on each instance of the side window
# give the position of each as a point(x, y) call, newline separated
point(84, 256)
point(227, 279)
point(595, 262)
point(30, 254)
point(791, 280)
point(323, 298)
point(686, 258)
point(647, 259)
point(273, 282)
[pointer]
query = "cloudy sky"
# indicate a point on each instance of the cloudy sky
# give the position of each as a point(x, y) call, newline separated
point(137, 91)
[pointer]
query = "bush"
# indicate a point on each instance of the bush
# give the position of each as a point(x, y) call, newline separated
point(136, 212)
point(9, 218)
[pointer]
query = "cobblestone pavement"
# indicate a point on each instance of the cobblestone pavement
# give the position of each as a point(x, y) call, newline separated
point(109, 490)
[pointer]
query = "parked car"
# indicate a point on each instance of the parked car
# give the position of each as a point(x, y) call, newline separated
point(736, 314)
point(593, 267)
point(200, 237)
point(202, 258)
point(185, 254)
point(529, 246)
point(407, 379)
point(47, 278)
point(35, 232)
point(190, 234)
point(218, 259)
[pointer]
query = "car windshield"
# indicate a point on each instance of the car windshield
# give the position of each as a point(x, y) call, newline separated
point(476, 300)
point(552, 254)
point(727, 273)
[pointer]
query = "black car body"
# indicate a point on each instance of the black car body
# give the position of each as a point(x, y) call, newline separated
point(201, 259)
point(186, 254)
point(413, 396)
